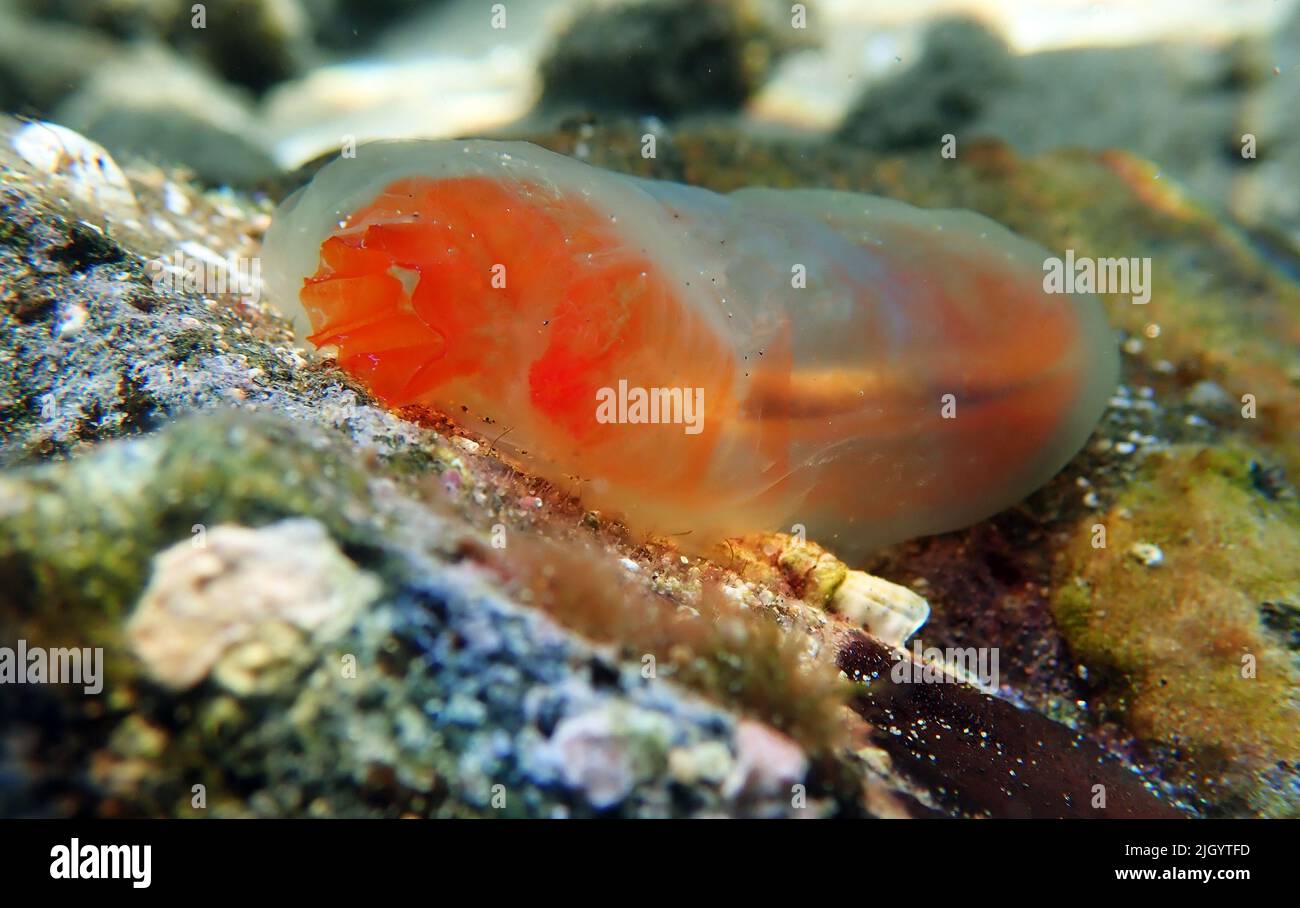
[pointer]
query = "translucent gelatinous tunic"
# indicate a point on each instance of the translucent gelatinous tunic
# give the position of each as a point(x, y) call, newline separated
point(867, 369)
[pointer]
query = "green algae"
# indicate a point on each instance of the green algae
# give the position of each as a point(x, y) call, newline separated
point(819, 573)
point(732, 656)
point(1179, 648)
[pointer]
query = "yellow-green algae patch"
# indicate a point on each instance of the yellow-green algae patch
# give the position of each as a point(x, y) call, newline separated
point(1177, 642)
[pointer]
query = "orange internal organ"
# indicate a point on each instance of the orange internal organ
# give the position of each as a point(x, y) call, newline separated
point(520, 304)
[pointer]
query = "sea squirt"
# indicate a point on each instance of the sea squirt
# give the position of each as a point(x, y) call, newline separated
point(863, 368)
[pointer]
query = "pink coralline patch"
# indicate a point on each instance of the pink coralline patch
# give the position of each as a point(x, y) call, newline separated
point(768, 763)
point(239, 601)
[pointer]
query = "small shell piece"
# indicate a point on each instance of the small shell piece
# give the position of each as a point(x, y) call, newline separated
point(887, 611)
point(89, 170)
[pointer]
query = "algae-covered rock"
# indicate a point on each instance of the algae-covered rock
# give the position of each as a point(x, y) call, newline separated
point(1183, 648)
point(389, 679)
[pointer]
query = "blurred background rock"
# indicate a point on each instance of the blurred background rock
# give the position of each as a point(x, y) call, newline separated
point(267, 84)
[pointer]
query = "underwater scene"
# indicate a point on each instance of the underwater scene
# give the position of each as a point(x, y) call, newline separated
point(648, 409)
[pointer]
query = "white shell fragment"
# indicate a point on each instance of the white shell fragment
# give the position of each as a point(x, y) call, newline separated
point(90, 171)
point(887, 611)
point(1147, 553)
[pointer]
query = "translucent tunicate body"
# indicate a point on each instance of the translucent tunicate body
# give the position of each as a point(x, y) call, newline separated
point(863, 368)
